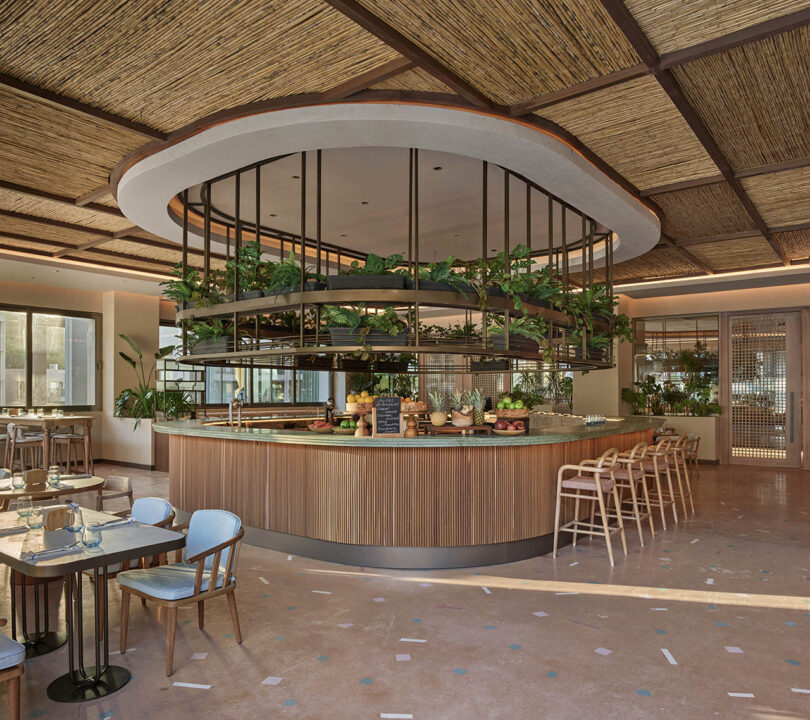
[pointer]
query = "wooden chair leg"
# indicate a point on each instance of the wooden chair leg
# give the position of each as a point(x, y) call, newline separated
point(680, 487)
point(660, 493)
point(13, 689)
point(621, 520)
point(646, 492)
point(672, 494)
point(234, 616)
point(125, 598)
point(576, 516)
point(557, 518)
point(201, 614)
point(605, 528)
point(171, 627)
point(636, 511)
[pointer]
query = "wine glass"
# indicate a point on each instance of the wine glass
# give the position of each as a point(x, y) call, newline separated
point(18, 481)
point(34, 519)
point(24, 505)
point(91, 535)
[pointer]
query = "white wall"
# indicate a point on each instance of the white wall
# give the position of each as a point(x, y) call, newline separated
point(133, 314)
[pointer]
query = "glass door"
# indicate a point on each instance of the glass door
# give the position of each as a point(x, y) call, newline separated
point(764, 372)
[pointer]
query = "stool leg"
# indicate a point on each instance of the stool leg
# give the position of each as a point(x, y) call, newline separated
point(672, 495)
point(621, 520)
point(576, 517)
point(646, 492)
point(605, 528)
point(680, 485)
point(688, 483)
point(636, 512)
point(660, 494)
point(557, 514)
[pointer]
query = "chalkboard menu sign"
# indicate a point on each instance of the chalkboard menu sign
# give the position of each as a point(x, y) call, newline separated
point(387, 417)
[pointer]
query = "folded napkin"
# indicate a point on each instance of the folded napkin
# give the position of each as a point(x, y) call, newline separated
point(50, 554)
point(116, 523)
point(76, 477)
point(13, 530)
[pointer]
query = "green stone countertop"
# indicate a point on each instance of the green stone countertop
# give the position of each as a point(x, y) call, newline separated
point(540, 436)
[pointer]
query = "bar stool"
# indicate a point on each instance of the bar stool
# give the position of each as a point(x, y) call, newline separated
point(656, 465)
point(630, 477)
point(23, 448)
point(677, 460)
point(693, 449)
point(594, 477)
point(68, 446)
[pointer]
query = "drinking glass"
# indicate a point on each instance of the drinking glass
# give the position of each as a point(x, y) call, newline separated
point(24, 505)
point(5, 411)
point(54, 473)
point(75, 522)
point(91, 535)
point(40, 412)
point(18, 481)
point(34, 519)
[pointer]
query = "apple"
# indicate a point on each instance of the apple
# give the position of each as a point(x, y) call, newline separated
point(501, 425)
point(501, 405)
point(511, 426)
point(506, 399)
point(519, 425)
point(518, 404)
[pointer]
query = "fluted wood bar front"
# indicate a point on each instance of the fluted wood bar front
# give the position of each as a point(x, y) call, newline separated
point(425, 503)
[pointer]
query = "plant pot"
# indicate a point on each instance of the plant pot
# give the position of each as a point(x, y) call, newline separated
point(489, 365)
point(344, 336)
point(375, 338)
point(495, 291)
point(537, 302)
point(459, 419)
point(286, 290)
point(516, 342)
point(189, 304)
point(316, 363)
point(309, 286)
point(209, 346)
point(390, 366)
point(410, 284)
point(353, 365)
point(437, 419)
point(365, 282)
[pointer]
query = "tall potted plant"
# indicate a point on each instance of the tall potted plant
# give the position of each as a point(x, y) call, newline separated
point(375, 273)
point(139, 402)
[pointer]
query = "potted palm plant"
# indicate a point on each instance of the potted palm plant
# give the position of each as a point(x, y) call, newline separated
point(375, 273)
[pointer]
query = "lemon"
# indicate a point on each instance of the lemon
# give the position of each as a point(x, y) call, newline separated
point(351, 399)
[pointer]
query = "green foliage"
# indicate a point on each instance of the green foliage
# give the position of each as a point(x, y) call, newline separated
point(208, 329)
point(436, 401)
point(287, 274)
point(442, 271)
point(375, 265)
point(527, 388)
point(183, 288)
point(174, 403)
point(139, 402)
point(560, 388)
point(249, 262)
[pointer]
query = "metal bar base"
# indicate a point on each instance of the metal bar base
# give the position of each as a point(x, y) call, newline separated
point(64, 689)
point(42, 640)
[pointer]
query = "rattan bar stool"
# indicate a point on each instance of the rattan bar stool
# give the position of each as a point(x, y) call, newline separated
point(692, 449)
point(23, 449)
point(594, 478)
point(656, 465)
point(677, 460)
point(629, 476)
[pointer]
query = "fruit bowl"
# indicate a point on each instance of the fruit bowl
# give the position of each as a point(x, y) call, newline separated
point(509, 433)
point(505, 413)
point(322, 429)
point(359, 407)
point(345, 431)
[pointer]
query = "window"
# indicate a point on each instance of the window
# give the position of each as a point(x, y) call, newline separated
point(48, 359)
point(267, 386)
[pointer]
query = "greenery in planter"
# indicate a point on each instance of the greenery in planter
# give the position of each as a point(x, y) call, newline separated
point(174, 403)
point(480, 274)
point(208, 330)
point(184, 287)
point(139, 402)
point(376, 265)
point(560, 389)
point(386, 322)
point(252, 270)
point(527, 389)
point(442, 271)
point(287, 274)
point(531, 327)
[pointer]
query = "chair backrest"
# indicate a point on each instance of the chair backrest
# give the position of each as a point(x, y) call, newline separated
point(151, 510)
point(118, 483)
point(207, 529)
point(608, 458)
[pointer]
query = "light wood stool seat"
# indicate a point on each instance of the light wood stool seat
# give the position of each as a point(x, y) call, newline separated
point(594, 477)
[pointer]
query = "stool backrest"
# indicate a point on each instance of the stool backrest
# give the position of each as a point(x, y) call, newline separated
point(663, 444)
point(639, 451)
point(680, 442)
point(608, 458)
point(151, 510)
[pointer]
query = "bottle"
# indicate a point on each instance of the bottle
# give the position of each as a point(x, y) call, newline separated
point(75, 522)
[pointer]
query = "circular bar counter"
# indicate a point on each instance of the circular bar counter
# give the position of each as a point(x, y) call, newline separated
point(425, 502)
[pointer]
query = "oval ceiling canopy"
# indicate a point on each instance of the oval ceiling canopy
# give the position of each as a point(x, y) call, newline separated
point(146, 187)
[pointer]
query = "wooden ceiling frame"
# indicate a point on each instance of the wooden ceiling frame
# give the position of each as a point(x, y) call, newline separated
point(62, 199)
point(365, 80)
point(396, 40)
point(638, 40)
point(669, 242)
point(742, 235)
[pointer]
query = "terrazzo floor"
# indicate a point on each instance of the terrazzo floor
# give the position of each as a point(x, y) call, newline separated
point(710, 619)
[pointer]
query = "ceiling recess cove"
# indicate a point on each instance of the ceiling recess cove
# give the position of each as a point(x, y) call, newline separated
point(147, 186)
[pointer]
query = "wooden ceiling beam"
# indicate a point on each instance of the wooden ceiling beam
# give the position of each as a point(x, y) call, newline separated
point(63, 199)
point(393, 38)
point(669, 242)
point(580, 89)
point(45, 255)
point(95, 194)
point(761, 31)
point(635, 35)
point(61, 101)
point(367, 79)
point(97, 241)
point(682, 185)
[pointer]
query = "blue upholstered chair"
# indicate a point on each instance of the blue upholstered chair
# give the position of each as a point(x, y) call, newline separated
point(207, 571)
point(12, 656)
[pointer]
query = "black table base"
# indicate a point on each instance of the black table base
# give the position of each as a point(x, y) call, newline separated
point(42, 640)
point(82, 683)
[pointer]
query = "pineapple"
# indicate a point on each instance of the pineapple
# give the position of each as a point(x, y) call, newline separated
point(477, 399)
point(461, 414)
point(436, 402)
point(457, 400)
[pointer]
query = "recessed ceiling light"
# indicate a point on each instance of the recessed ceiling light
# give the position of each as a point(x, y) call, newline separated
point(493, 249)
point(273, 215)
point(455, 234)
point(344, 235)
point(438, 167)
point(364, 202)
point(296, 177)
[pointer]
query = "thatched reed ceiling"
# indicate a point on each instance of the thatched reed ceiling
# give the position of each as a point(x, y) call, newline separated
point(162, 65)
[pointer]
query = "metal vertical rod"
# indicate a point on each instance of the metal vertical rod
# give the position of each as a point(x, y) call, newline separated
point(207, 231)
point(410, 210)
point(303, 218)
point(609, 261)
point(228, 243)
point(96, 609)
point(106, 624)
point(564, 248)
point(258, 203)
point(79, 620)
point(237, 232)
point(590, 253)
point(506, 259)
point(584, 255)
point(13, 604)
point(69, 622)
point(318, 200)
point(36, 610)
point(529, 221)
point(184, 261)
point(416, 237)
point(484, 228)
point(550, 235)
